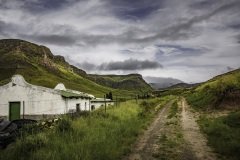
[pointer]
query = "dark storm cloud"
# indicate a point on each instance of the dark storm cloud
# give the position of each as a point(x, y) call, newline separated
point(180, 31)
point(87, 66)
point(129, 9)
point(7, 28)
point(53, 39)
point(130, 64)
point(184, 50)
point(204, 4)
point(2, 26)
point(40, 6)
point(235, 26)
point(238, 38)
point(175, 32)
point(36, 6)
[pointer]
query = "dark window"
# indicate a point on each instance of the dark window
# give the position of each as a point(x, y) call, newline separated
point(78, 109)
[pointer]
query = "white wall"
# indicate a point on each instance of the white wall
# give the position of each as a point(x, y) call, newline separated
point(84, 104)
point(98, 104)
point(37, 100)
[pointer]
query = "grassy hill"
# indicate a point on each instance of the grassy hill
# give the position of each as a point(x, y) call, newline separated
point(222, 91)
point(40, 67)
point(127, 82)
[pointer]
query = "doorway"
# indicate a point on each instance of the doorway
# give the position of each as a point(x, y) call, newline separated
point(14, 110)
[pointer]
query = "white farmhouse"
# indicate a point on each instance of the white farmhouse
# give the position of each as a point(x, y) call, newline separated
point(100, 102)
point(19, 99)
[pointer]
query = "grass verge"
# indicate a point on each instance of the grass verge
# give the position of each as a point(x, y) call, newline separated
point(223, 134)
point(100, 136)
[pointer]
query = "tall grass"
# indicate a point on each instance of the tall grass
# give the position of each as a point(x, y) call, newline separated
point(223, 134)
point(100, 136)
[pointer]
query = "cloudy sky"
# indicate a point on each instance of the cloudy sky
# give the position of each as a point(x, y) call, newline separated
point(192, 40)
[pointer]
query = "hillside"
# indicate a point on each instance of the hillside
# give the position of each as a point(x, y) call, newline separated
point(39, 66)
point(127, 82)
point(222, 91)
point(183, 85)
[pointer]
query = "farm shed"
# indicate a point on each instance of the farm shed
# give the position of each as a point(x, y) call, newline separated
point(100, 102)
point(19, 99)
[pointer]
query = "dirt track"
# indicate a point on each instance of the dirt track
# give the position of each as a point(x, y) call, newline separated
point(192, 145)
point(193, 136)
point(147, 145)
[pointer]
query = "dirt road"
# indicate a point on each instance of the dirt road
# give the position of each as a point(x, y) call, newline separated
point(147, 144)
point(193, 136)
point(176, 138)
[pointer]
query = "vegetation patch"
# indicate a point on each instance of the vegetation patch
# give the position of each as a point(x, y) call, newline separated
point(100, 135)
point(213, 94)
point(173, 110)
point(223, 134)
point(171, 141)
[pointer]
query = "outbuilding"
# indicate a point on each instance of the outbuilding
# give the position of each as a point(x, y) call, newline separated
point(100, 102)
point(19, 99)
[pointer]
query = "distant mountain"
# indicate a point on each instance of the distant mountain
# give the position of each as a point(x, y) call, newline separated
point(161, 82)
point(39, 66)
point(127, 82)
point(183, 85)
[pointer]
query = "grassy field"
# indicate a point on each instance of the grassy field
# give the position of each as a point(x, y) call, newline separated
point(223, 134)
point(94, 137)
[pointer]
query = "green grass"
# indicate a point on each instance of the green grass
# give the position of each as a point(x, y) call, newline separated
point(212, 93)
point(173, 110)
point(223, 134)
point(125, 82)
point(95, 137)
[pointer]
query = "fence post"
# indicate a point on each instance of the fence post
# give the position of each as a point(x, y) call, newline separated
point(105, 103)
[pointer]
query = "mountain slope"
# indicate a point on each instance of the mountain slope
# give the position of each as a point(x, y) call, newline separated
point(127, 82)
point(222, 91)
point(183, 85)
point(39, 66)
